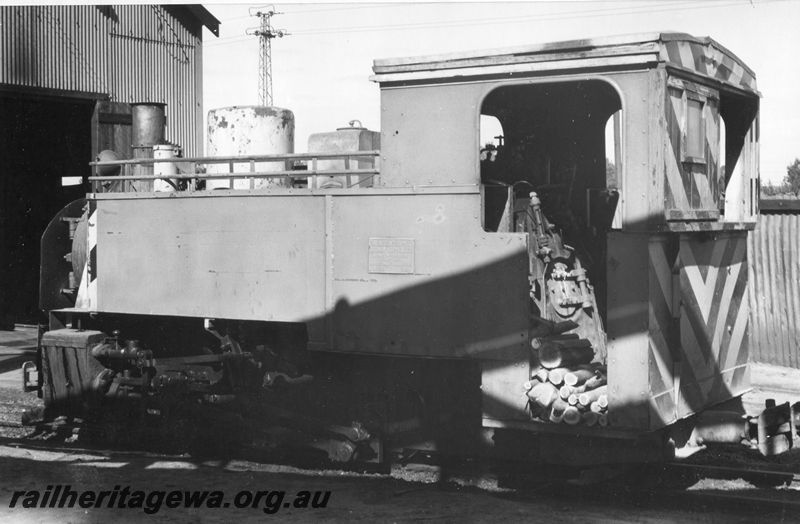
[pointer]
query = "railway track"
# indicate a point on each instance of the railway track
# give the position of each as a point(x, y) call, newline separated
point(770, 488)
point(778, 476)
point(765, 488)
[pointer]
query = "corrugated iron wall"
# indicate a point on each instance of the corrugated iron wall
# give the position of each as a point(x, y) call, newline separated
point(132, 53)
point(774, 289)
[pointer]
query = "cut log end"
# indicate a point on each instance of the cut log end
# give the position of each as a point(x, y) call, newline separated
point(571, 416)
point(556, 377)
point(602, 400)
point(590, 418)
point(572, 400)
point(565, 392)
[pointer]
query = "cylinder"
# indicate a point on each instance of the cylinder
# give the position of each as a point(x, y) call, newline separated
point(107, 155)
point(165, 169)
point(250, 130)
point(719, 426)
point(148, 124)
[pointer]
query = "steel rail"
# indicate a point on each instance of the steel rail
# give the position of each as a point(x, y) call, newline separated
point(757, 499)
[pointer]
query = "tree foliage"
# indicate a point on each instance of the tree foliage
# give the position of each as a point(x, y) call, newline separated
point(793, 177)
point(771, 190)
point(611, 175)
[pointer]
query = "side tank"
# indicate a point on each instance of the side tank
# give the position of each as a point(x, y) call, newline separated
point(345, 140)
point(249, 130)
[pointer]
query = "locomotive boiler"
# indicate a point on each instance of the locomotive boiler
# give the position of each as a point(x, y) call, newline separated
point(574, 289)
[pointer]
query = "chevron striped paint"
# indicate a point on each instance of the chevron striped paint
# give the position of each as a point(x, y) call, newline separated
point(709, 60)
point(698, 347)
point(713, 320)
point(688, 186)
point(662, 335)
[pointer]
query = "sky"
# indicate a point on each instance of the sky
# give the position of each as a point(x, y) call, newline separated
point(321, 68)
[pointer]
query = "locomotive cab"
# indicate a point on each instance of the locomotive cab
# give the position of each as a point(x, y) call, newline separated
point(643, 154)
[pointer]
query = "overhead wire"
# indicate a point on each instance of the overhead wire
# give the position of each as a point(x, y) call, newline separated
point(471, 21)
point(644, 8)
point(289, 9)
point(684, 5)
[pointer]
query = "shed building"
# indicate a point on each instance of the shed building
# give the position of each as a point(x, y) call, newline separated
point(774, 283)
point(68, 75)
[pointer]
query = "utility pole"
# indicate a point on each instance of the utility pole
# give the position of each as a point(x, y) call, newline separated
point(265, 33)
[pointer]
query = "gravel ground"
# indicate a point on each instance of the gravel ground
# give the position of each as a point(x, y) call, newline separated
point(354, 497)
point(13, 403)
point(411, 493)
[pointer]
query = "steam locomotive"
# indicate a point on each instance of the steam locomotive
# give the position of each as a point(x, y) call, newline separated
point(573, 290)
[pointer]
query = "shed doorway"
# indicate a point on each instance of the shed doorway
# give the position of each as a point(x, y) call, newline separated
point(47, 145)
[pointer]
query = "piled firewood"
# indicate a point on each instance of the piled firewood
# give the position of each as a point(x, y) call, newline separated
point(567, 387)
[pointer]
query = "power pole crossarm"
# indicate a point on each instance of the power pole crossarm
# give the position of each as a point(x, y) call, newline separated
point(265, 33)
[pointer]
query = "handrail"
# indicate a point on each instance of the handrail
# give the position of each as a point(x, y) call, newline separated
point(241, 174)
point(311, 172)
point(238, 159)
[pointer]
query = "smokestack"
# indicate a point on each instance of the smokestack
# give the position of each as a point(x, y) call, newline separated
point(149, 123)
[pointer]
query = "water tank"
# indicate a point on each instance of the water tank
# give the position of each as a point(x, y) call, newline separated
point(348, 139)
point(250, 130)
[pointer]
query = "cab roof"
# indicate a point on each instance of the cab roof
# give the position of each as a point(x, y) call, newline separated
point(699, 56)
